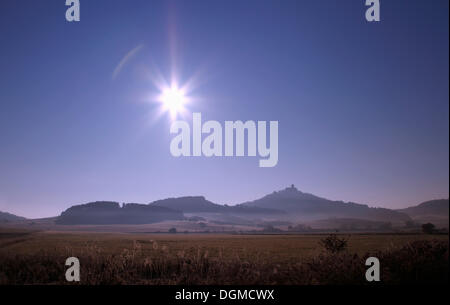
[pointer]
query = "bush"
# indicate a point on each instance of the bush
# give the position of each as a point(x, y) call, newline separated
point(172, 230)
point(428, 228)
point(333, 244)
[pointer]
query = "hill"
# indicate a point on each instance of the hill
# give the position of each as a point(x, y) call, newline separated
point(434, 211)
point(306, 206)
point(198, 204)
point(109, 212)
point(189, 204)
point(7, 217)
point(287, 206)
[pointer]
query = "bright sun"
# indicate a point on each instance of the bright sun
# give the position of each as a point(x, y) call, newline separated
point(173, 100)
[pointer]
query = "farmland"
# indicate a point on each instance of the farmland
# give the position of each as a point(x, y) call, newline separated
point(142, 258)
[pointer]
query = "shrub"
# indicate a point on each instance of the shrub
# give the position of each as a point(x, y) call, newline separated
point(334, 244)
point(428, 228)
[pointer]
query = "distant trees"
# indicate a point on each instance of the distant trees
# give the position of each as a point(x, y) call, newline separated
point(385, 226)
point(410, 224)
point(195, 218)
point(271, 229)
point(172, 230)
point(300, 228)
point(428, 228)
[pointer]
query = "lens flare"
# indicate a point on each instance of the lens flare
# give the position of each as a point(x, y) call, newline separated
point(173, 100)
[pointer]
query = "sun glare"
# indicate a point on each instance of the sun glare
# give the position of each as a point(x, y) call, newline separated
point(173, 100)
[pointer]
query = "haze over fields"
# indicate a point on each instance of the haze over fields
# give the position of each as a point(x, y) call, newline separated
point(285, 208)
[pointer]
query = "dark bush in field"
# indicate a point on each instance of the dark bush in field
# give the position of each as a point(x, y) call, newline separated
point(417, 262)
point(428, 228)
point(334, 244)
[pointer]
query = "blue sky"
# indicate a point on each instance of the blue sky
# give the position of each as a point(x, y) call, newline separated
point(362, 107)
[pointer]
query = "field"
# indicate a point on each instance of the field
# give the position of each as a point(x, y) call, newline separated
point(140, 258)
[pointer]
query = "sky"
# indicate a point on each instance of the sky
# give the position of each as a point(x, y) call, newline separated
point(363, 108)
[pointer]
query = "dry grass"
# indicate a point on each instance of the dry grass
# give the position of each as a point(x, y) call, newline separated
point(218, 259)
